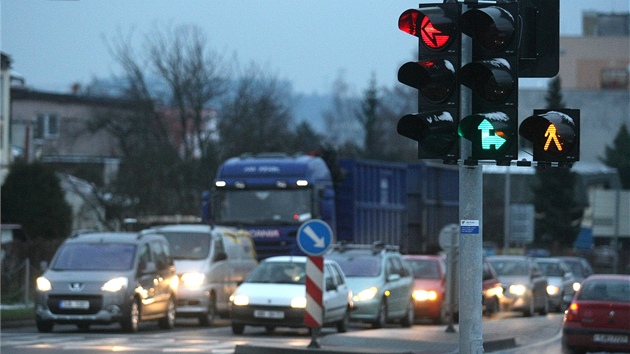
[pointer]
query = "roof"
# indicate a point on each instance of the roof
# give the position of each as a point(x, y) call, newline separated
point(101, 237)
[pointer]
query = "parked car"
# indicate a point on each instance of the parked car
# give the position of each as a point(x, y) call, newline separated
point(524, 284)
point(103, 278)
point(561, 280)
point(598, 318)
point(381, 281)
point(580, 268)
point(210, 261)
point(274, 295)
point(429, 287)
point(491, 289)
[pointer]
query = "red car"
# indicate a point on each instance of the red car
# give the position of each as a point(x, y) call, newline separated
point(598, 318)
point(429, 290)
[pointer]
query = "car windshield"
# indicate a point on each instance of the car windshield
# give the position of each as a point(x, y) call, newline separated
point(278, 273)
point(260, 207)
point(606, 290)
point(359, 265)
point(424, 268)
point(576, 268)
point(509, 267)
point(188, 245)
point(95, 256)
point(551, 269)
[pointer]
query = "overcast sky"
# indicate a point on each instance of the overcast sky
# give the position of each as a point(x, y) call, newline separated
point(56, 43)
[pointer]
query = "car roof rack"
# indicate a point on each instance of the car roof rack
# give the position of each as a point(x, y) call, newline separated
point(80, 232)
point(376, 247)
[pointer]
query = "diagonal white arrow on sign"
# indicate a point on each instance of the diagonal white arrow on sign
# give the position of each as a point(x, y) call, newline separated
point(319, 242)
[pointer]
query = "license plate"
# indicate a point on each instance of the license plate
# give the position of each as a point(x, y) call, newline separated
point(269, 314)
point(610, 338)
point(74, 304)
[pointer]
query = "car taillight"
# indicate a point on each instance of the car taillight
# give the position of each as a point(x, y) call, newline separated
point(571, 314)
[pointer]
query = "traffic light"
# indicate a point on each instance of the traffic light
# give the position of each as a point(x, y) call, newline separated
point(539, 49)
point(492, 75)
point(555, 134)
point(434, 75)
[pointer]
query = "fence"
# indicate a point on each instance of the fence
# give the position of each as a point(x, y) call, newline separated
point(17, 283)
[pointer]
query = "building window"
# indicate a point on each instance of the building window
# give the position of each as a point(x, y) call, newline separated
point(47, 126)
point(614, 79)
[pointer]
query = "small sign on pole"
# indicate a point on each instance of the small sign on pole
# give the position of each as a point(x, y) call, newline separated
point(314, 238)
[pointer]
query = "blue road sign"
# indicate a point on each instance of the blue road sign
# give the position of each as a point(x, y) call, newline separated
point(314, 237)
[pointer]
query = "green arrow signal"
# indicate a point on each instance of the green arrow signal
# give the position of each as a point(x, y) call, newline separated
point(488, 140)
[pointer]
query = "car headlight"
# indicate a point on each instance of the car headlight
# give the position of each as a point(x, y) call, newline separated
point(518, 289)
point(576, 286)
point(116, 284)
point(239, 300)
point(298, 302)
point(552, 290)
point(367, 294)
point(424, 295)
point(193, 280)
point(43, 284)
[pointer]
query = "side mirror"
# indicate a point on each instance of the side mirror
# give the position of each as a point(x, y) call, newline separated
point(150, 267)
point(221, 256)
point(43, 265)
point(330, 286)
point(393, 277)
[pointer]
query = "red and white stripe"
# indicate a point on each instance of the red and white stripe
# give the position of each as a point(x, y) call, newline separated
point(314, 315)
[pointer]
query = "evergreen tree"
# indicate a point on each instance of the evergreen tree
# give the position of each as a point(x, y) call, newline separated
point(558, 217)
point(368, 117)
point(32, 197)
point(618, 156)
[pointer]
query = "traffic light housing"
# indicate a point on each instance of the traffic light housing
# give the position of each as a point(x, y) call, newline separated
point(492, 75)
point(555, 134)
point(539, 50)
point(435, 77)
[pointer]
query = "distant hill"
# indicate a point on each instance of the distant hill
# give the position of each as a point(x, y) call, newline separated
point(311, 108)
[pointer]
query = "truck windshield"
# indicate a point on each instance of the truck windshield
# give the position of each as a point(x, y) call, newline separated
point(264, 206)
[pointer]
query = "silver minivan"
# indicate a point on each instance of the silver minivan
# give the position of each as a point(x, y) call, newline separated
point(210, 261)
point(107, 277)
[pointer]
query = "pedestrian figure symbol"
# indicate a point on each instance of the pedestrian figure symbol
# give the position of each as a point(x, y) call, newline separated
point(551, 134)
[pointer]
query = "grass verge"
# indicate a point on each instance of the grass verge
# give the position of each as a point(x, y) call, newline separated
point(14, 312)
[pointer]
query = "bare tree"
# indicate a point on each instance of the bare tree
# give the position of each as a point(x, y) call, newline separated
point(257, 117)
point(339, 120)
point(179, 80)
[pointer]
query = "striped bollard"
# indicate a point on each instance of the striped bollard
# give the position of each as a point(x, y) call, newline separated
point(314, 314)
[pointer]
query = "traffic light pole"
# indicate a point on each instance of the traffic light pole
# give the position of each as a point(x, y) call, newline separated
point(470, 213)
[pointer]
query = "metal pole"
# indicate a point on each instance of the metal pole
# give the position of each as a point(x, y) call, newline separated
point(452, 273)
point(27, 280)
point(615, 240)
point(506, 211)
point(470, 209)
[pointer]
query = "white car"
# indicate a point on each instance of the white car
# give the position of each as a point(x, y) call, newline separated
point(274, 295)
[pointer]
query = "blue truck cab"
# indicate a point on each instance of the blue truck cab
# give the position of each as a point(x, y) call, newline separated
point(271, 196)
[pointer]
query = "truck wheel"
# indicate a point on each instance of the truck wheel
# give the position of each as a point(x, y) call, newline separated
point(207, 319)
point(381, 316)
point(44, 326)
point(168, 321)
point(238, 328)
point(130, 323)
